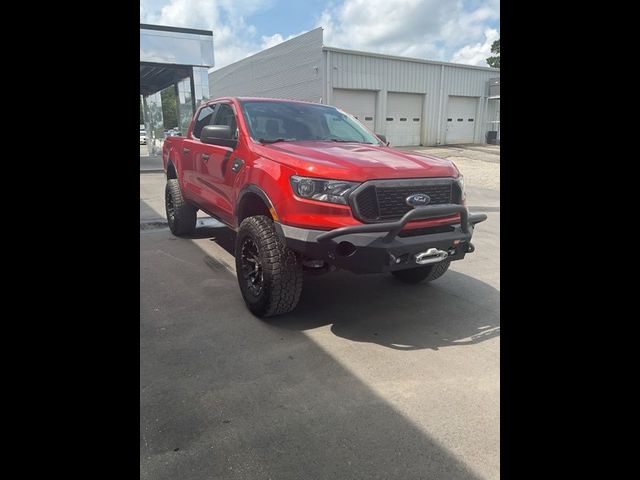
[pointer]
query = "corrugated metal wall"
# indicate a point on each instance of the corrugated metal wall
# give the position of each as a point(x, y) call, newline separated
point(383, 74)
point(291, 69)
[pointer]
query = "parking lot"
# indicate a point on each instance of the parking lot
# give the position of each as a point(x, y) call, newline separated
point(368, 378)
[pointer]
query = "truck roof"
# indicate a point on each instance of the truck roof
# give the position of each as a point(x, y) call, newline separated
point(263, 99)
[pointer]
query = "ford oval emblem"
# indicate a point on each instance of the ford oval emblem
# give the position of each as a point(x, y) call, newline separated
point(418, 200)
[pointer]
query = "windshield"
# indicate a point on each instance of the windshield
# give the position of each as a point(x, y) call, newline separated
point(292, 121)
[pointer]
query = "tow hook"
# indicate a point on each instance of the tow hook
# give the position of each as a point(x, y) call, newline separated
point(433, 255)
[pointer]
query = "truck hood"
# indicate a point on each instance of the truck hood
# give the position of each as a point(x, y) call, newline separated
point(355, 161)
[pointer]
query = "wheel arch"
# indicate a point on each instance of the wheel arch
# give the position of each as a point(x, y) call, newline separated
point(172, 172)
point(252, 200)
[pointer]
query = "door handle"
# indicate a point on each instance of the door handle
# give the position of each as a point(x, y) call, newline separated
point(205, 158)
point(186, 150)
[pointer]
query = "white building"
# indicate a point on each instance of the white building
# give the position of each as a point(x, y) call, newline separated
point(411, 101)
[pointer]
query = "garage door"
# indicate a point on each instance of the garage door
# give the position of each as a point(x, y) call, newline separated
point(461, 119)
point(359, 103)
point(404, 118)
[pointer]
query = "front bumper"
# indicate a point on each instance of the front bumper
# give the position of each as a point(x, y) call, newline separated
point(374, 248)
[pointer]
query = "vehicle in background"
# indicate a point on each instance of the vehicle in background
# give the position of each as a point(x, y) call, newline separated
point(143, 137)
point(172, 132)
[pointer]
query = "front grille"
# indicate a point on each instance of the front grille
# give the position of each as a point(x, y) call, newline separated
point(368, 203)
point(387, 200)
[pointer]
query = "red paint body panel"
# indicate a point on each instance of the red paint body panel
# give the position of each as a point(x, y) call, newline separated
point(214, 188)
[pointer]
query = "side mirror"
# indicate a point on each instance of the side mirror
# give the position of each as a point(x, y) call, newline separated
point(218, 135)
point(382, 138)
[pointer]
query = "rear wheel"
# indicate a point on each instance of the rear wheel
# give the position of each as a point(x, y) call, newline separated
point(426, 273)
point(180, 215)
point(269, 273)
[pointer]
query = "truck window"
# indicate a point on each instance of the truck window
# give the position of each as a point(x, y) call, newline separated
point(225, 116)
point(340, 129)
point(204, 118)
point(295, 121)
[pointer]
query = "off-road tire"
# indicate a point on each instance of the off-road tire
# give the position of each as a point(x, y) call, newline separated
point(281, 268)
point(425, 273)
point(181, 216)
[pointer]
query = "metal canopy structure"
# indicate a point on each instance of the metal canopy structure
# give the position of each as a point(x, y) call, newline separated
point(157, 76)
point(172, 57)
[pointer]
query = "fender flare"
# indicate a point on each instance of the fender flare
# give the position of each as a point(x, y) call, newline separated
point(171, 164)
point(253, 188)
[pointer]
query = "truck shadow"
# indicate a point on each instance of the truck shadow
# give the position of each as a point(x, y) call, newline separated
point(454, 310)
point(216, 232)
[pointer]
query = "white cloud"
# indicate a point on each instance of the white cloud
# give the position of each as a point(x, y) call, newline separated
point(275, 39)
point(432, 29)
point(478, 53)
point(272, 41)
point(445, 30)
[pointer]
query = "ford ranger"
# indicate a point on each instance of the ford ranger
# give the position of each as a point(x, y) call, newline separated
point(308, 188)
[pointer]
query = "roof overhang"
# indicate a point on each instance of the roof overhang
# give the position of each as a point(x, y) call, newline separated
point(158, 76)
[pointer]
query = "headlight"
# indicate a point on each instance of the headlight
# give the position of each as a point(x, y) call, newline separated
point(332, 191)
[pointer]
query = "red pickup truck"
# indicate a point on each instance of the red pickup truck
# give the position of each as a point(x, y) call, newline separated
point(308, 188)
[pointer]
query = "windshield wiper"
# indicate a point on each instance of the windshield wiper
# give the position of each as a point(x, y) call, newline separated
point(275, 140)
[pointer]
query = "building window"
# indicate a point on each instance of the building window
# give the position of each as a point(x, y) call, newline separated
point(470, 119)
point(389, 119)
point(403, 119)
point(368, 118)
point(416, 119)
point(449, 119)
point(461, 119)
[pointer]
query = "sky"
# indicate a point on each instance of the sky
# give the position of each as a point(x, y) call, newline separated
point(444, 30)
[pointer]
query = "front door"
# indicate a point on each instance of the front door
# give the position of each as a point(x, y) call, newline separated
point(215, 166)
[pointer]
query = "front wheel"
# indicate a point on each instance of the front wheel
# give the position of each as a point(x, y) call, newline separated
point(425, 273)
point(269, 273)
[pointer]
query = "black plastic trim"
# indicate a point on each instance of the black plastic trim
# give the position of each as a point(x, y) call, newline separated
point(372, 251)
point(237, 165)
point(163, 28)
point(418, 213)
point(252, 188)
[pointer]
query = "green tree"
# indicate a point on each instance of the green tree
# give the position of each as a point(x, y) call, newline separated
point(495, 61)
point(169, 107)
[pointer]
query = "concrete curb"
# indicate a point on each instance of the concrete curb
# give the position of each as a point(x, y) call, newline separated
point(153, 224)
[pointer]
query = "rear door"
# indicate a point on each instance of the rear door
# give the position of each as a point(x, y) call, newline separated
point(191, 152)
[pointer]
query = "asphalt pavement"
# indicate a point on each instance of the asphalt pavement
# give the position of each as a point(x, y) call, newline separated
point(368, 378)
